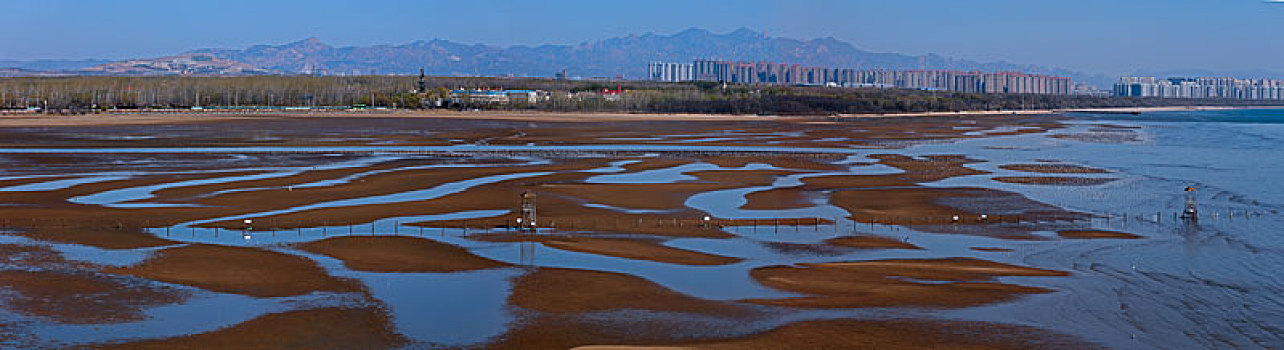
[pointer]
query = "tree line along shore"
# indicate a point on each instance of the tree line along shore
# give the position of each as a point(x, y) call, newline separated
point(87, 94)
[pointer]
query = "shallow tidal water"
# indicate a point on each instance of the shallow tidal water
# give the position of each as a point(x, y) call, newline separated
point(1212, 283)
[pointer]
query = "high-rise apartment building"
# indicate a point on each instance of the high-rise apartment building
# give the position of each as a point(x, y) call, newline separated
point(974, 82)
point(793, 74)
point(666, 71)
point(1203, 87)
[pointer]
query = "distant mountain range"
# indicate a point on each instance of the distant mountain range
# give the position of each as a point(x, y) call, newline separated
point(625, 56)
point(189, 63)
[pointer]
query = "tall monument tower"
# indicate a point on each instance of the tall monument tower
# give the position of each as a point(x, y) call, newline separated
point(423, 84)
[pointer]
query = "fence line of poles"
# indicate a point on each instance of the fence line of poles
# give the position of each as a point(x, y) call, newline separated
point(596, 223)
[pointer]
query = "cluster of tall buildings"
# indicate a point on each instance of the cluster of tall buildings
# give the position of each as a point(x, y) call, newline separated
point(793, 74)
point(974, 82)
point(1229, 88)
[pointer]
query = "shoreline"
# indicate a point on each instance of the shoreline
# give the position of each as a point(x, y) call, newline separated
point(185, 116)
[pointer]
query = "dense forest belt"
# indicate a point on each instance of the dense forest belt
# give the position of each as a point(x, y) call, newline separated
point(82, 94)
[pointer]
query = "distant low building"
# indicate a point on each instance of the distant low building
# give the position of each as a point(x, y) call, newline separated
point(464, 96)
point(1089, 90)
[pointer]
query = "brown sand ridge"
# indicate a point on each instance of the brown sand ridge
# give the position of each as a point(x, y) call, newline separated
point(516, 128)
point(885, 204)
point(776, 199)
point(17, 182)
point(48, 215)
point(620, 248)
point(1095, 234)
point(934, 283)
point(399, 179)
point(817, 162)
point(928, 168)
point(561, 211)
point(326, 328)
point(927, 205)
point(560, 290)
point(380, 184)
point(38, 257)
point(82, 297)
point(881, 334)
point(654, 164)
point(870, 242)
point(239, 270)
point(106, 237)
point(556, 293)
point(742, 177)
point(990, 249)
point(1053, 168)
point(390, 183)
point(188, 192)
point(567, 212)
point(1055, 180)
point(399, 254)
point(663, 196)
point(637, 196)
point(780, 199)
point(44, 284)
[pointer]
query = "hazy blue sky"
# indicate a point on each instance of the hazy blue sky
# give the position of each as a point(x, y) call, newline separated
point(1110, 36)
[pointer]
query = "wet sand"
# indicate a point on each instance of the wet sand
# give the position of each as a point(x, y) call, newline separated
point(247, 271)
point(82, 297)
point(928, 205)
point(399, 254)
point(326, 328)
point(637, 196)
point(620, 248)
point(871, 242)
point(990, 249)
point(779, 199)
point(38, 257)
point(800, 162)
point(381, 184)
point(39, 281)
point(559, 290)
point(515, 129)
point(929, 168)
point(106, 237)
point(1055, 180)
point(1053, 168)
point(881, 334)
point(555, 304)
point(934, 283)
point(1096, 234)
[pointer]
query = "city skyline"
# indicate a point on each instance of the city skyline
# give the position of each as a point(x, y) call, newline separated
point(1090, 36)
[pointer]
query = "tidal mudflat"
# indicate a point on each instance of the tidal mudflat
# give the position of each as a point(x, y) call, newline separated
point(404, 232)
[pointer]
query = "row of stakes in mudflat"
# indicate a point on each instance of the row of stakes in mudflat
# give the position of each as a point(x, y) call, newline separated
point(527, 222)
